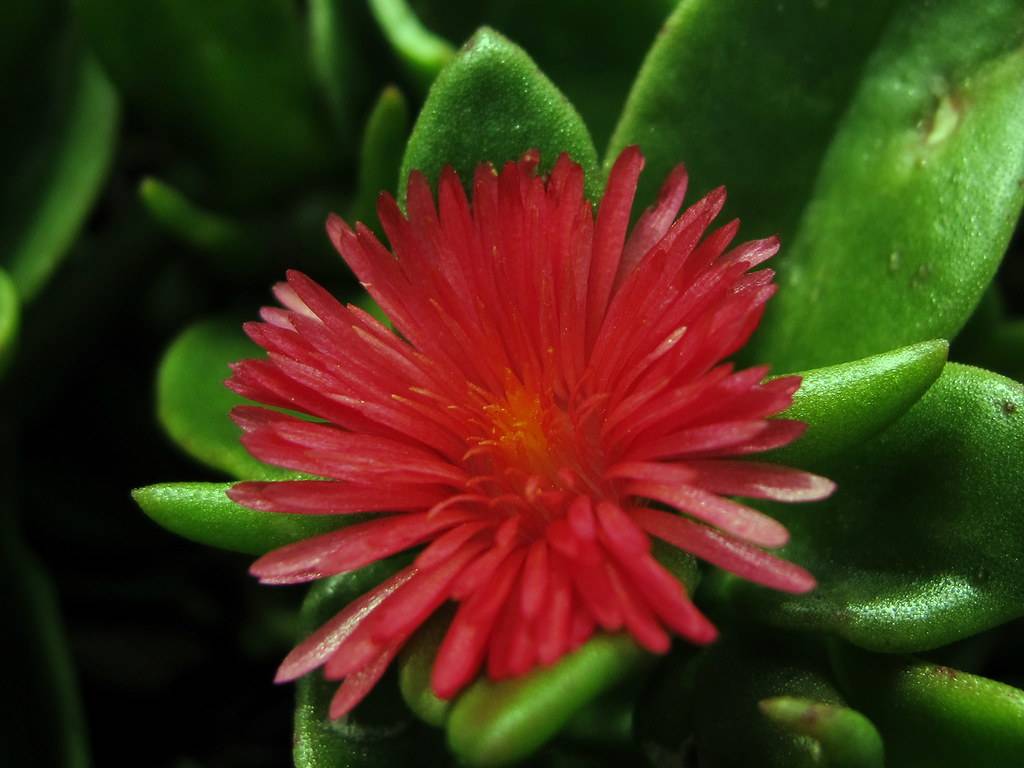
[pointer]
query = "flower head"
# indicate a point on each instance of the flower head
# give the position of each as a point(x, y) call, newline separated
point(555, 397)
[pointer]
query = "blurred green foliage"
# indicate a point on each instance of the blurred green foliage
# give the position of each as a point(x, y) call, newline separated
point(166, 161)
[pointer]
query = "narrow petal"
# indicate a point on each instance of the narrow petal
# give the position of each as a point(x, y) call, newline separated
point(757, 480)
point(745, 561)
point(740, 521)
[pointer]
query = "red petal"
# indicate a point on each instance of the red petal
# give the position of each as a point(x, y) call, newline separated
point(745, 561)
point(742, 522)
point(758, 480)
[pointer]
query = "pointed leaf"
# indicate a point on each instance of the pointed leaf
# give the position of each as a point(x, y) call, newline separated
point(922, 542)
point(622, 30)
point(492, 103)
point(933, 716)
point(384, 139)
point(844, 405)
point(203, 513)
point(918, 195)
point(193, 404)
point(747, 94)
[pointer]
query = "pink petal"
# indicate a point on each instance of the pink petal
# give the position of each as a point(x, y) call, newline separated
point(740, 521)
point(745, 561)
point(758, 480)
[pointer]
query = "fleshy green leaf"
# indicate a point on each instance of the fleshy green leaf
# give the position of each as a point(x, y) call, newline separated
point(497, 723)
point(847, 738)
point(622, 30)
point(10, 315)
point(933, 716)
point(383, 143)
point(844, 405)
point(492, 103)
point(202, 512)
point(415, 666)
point(337, 32)
point(922, 542)
point(732, 678)
point(747, 94)
point(378, 732)
point(49, 725)
point(422, 53)
point(187, 221)
point(193, 404)
point(918, 195)
point(60, 176)
point(229, 77)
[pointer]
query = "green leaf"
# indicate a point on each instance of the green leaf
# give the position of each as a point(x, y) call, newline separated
point(844, 405)
point(497, 723)
point(193, 404)
point(415, 666)
point(747, 94)
point(384, 139)
point(922, 542)
point(336, 31)
point(202, 512)
point(48, 725)
point(10, 318)
point(621, 30)
point(190, 223)
point(60, 176)
point(422, 53)
point(230, 78)
point(918, 195)
point(933, 716)
point(492, 104)
point(847, 738)
point(735, 674)
point(378, 732)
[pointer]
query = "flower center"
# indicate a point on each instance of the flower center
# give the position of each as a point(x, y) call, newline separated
point(531, 450)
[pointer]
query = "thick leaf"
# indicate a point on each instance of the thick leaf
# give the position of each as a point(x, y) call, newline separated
point(384, 139)
point(60, 174)
point(44, 722)
point(594, 64)
point(918, 194)
point(422, 53)
point(922, 542)
point(337, 52)
point(193, 404)
point(10, 315)
point(497, 723)
point(415, 666)
point(747, 94)
point(732, 678)
point(378, 733)
point(190, 223)
point(933, 716)
point(844, 405)
point(230, 78)
point(491, 103)
point(202, 512)
point(847, 738)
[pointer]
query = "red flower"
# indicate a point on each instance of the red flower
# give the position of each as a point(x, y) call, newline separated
point(556, 397)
